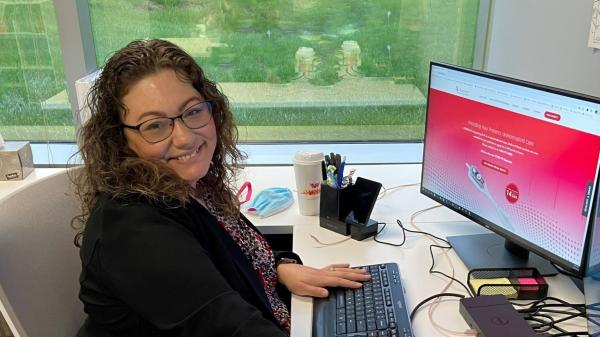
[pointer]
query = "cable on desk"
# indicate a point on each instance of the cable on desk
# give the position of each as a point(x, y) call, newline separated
point(385, 190)
point(435, 245)
point(536, 311)
point(418, 306)
point(434, 305)
point(388, 243)
point(542, 303)
point(577, 333)
point(328, 244)
point(555, 321)
point(431, 270)
point(423, 302)
point(544, 320)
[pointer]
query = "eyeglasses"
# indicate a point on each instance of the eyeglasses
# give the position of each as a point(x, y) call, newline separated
point(158, 129)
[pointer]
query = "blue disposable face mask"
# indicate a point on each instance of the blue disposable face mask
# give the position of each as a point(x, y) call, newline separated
point(271, 201)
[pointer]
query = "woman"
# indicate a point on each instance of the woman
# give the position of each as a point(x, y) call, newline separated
point(165, 250)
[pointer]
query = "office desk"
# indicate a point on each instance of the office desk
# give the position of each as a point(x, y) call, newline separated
point(413, 258)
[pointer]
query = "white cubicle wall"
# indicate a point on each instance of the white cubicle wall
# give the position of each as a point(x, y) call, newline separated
point(544, 41)
point(39, 264)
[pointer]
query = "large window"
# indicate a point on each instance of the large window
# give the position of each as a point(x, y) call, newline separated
point(33, 100)
point(308, 70)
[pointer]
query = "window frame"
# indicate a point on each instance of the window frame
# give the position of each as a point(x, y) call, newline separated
point(79, 55)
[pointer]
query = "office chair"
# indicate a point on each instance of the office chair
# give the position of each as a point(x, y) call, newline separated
point(39, 265)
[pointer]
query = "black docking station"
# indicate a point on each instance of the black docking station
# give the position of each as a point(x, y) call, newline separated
point(494, 316)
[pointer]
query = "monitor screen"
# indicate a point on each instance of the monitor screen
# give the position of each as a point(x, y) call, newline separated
point(518, 158)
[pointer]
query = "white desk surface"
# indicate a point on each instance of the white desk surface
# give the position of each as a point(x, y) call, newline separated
point(413, 258)
point(7, 188)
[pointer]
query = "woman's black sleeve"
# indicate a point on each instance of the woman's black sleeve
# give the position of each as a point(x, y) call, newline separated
point(158, 268)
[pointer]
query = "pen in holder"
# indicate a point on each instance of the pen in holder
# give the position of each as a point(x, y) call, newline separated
point(335, 206)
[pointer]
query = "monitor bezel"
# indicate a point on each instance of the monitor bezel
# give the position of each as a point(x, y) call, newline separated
point(593, 270)
point(499, 230)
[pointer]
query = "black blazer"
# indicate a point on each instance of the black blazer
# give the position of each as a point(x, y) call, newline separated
point(155, 270)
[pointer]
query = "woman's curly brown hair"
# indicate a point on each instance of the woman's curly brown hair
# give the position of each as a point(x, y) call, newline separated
point(110, 166)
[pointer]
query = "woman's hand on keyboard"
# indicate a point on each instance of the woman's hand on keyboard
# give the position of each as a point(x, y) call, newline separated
point(308, 281)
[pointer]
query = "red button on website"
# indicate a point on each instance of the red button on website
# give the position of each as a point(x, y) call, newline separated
point(512, 193)
point(552, 115)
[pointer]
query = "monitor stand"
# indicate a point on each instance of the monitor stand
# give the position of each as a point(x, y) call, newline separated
point(489, 251)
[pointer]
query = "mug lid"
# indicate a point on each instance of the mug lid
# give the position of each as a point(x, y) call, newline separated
point(309, 157)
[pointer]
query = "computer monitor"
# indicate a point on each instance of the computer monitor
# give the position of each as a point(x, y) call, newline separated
point(519, 158)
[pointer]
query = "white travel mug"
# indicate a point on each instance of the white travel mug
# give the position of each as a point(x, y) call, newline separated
point(308, 173)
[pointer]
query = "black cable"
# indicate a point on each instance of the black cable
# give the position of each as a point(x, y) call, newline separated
point(549, 322)
point(550, 298)
point(449, 246)
point(577, 333)
point(418, 306)
point(420, 232)
point(431, 270)
point(554, 327)
point(551, 325)
point(533, 313)
point(565, 272)
point(536, 311)
point(388, 243)
point(563, 312)
point(539, 320)
point(560, 319)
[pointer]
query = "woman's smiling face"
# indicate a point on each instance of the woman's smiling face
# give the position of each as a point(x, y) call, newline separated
point(187, 151)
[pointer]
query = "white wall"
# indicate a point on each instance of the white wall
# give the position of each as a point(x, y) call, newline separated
point(544, 41)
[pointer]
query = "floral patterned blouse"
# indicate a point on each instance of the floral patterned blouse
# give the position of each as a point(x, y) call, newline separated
point(257, 251)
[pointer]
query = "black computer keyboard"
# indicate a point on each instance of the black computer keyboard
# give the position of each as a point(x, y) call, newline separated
point(377, 309)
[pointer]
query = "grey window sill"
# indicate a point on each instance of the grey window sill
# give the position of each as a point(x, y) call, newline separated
point(60, 154)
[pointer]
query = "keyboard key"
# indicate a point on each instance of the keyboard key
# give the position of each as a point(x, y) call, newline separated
point(341, 328)
point(381, 323)
point(371, 325)
point(361, 325)
point(350, 325)
point(340, 299)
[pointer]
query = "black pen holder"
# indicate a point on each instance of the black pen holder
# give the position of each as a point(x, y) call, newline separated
point(335, 206)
